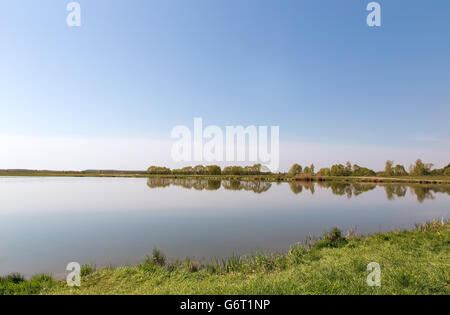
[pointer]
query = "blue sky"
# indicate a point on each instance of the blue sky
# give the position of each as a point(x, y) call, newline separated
point(135, 69)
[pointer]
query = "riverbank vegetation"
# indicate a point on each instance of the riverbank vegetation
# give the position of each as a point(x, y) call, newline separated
point(412, 262)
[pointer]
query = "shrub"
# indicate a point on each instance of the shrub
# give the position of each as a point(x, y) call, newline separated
point(332, 238)
point(157, 259)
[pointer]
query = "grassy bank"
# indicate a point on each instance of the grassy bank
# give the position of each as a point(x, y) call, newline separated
point(412, 262)
point(439, 179)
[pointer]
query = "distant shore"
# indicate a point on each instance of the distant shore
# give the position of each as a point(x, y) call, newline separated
point(430, 179)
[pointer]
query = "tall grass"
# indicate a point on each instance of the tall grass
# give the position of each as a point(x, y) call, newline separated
point(15, 284)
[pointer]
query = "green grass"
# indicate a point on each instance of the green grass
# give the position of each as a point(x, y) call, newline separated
point(412, 262)
point(15, 284)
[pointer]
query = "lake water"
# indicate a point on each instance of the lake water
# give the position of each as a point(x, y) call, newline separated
point(47, 222)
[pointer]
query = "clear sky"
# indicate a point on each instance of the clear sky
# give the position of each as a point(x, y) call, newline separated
point(107, 94)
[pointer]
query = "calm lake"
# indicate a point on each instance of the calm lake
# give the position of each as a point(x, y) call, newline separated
point(46, 223)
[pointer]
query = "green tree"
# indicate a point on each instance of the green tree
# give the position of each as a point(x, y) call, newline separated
point(447, 170)
point(324, 172)
point(362, 171)
point(388, 168)
point(399, 170)
point(213, 170)
point(348, 168)
point(420, 169)
point(157, 170)
point(199, 170)
point(341, 170)
point(311, 169)
point(295, 169)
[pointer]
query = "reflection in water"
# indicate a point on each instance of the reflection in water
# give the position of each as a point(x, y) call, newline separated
point(346, 189)
point(198, 184)
point(425, 191)
point(257, 187)
point(205, 184)
point(393, 191)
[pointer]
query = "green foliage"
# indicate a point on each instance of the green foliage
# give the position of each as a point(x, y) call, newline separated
point(157, 259)
point(420, 169)
point(15, 278)
point(199, 170)
point(233, 170)
point(15, 284)
point(213, 170)
point(447, 170)
point(348, 168)
point(295, 169)
point(324, 172)
point(232, 264)
point(332, 238)
point(297, 253)
point(188, 170)
point(247, 170)
point(340, 170)
point(399, 170)
point(157, 170)
point(388, 168)
point(87, 270)
point(362, 171)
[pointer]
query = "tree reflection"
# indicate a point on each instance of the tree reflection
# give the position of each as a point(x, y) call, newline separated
point(420, 191)
point(393, 191)
point(257, 187)
point(347, 189)
point(204, 184)
point(198, 184)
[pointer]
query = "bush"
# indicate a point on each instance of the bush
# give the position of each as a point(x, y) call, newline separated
point(332, 238)
point(157, 259)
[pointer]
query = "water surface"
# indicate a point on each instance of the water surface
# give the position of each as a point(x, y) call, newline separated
point(47, 222)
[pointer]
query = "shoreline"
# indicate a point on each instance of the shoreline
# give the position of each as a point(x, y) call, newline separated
point(266, 178)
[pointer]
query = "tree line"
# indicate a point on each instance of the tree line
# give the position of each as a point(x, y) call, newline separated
point(256, 169)
point(417, 169)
